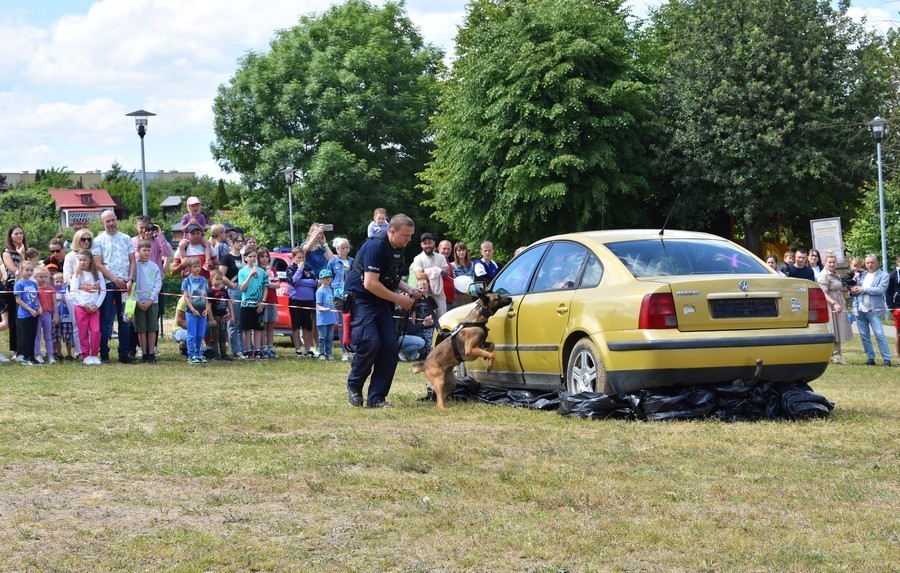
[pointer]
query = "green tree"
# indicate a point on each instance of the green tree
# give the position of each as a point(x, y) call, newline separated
point(865, 227)
point(124, 185)
point(762, 108)
point(221, 199)
point(31, 207)
point(344, 98)
point(539, 129)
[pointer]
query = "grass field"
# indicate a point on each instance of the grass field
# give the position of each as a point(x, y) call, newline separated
point(265, 467)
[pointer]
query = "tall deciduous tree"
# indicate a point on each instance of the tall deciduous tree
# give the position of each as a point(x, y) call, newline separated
point(762, 109)
point(345, 98)
point(540, 126)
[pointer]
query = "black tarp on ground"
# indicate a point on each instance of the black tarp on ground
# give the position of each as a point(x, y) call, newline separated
point(729, 402)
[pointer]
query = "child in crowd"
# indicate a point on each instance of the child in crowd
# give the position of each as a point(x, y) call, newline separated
point(33, 256)
point(222, 311)
point(485, 268)
point(786, 261)
point(29, 308)
point(88, 289)
point(147, 284)
point(379, 223)
point(302, 302)
point(193, 217)
point(270, 313)
point(48, 318)
point(193, 289)
point(4, 315)
point(325, 315)
point(62, 330)
point(253, 282)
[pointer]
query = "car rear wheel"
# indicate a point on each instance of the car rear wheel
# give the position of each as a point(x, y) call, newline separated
point(585, 371)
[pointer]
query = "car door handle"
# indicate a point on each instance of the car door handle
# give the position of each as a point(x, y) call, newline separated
point(562, 309)
point(511, 313)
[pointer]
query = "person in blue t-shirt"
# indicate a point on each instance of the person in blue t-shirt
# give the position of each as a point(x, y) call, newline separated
point(26, 293)
point(325, 316)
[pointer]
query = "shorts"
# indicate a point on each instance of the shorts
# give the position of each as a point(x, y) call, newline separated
point(62, 332)
point(147, 320)
point(896, 313)
point(270, 314)
point(250, 319)
point(302, 318)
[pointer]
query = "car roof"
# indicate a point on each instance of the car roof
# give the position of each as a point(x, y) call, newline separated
point(616, 235)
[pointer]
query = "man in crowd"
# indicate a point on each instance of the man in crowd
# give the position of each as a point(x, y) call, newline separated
point(799, 270)
point(893, 300)
point(431, 268)
point(114, 257)
point(870, 307)
point(445, 248)
point(194, 248)
point(372, 284)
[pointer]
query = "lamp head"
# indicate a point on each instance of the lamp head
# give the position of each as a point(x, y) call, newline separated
point(878, 127)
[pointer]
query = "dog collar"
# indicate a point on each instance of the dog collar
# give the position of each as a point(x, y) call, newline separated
point(483, 311)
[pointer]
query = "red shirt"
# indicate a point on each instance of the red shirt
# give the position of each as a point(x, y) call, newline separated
point(47, 298)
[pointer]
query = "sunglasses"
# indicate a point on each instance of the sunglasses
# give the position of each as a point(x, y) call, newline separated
point(55, 250)
point(83, 239)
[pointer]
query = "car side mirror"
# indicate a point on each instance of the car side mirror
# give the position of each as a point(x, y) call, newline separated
point(476, 289)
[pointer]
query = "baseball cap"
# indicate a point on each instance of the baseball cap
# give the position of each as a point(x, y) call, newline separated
point(192, 228)
point(193, 201)
point(426, 236)
point(325, 273)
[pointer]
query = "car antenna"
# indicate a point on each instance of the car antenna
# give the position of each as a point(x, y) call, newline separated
point(663, 230)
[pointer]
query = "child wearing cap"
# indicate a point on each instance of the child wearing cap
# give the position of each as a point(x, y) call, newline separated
point(191, 219)
point(325, 316)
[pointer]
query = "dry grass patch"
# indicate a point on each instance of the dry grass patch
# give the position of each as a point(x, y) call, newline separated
point(265, 467)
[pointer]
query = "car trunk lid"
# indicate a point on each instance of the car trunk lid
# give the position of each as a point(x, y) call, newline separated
point(739, 302)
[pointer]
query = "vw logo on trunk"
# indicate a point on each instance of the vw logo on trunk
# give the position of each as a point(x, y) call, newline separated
point(744, 285)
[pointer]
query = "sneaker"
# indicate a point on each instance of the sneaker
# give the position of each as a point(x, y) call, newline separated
point(97, 361)
point(355, 398)
point(227, 358)
point(4, 359)
point(26, 362)
point(298, 353)
point(17, 358)
point(322, 357)
point(260, 355)
point(330, 359)
point(51, 360)
point(382, 404)
point(70, 359)
point(870, 363)
point(314, 352)
point(345, 357)
point(887, 363)
point(402, 357)
point(193, 360)
point(272, 354)
point(240, 356)
point(202, 359)
point(309, 354)
point(38, 360)
point(156, 351)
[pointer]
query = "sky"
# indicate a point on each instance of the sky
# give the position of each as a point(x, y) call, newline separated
point(71, 69)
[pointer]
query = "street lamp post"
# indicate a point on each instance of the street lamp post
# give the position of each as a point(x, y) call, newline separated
point(879, 127)
point(140, 122)
point(289, 175)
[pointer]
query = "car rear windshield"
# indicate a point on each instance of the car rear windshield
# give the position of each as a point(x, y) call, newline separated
point(673, 257)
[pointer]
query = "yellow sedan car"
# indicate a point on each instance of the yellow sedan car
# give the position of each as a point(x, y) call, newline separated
point(621, 311)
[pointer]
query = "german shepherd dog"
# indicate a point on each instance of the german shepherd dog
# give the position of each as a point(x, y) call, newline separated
point(467, 342)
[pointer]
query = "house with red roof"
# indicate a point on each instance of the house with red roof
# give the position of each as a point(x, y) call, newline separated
point(78, 206)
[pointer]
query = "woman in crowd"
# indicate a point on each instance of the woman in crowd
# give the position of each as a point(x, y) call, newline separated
point(339, 265)
point(83, 239)
point(830, 281)
point(462, 265)
point(13, 255)
point(230, 264)
point(815, 262)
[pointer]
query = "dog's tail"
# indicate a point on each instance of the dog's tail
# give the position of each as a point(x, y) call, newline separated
point(418, 367)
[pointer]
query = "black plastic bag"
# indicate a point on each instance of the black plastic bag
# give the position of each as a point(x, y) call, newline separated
point(800, 401)
point(596, 406)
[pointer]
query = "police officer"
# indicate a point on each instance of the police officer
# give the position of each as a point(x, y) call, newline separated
point(373, 281)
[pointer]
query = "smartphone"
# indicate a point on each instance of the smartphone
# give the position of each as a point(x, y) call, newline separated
point(327, 227)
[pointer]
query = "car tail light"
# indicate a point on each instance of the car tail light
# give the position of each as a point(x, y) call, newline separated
point(818, 306)
point(658, 311)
